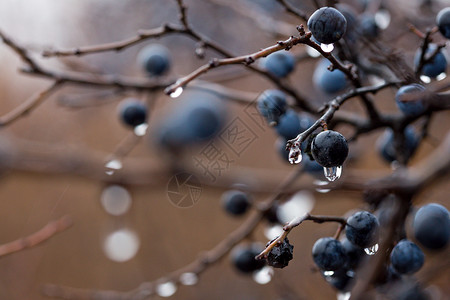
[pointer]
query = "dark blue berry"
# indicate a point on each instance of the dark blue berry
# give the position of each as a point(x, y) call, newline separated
point(409, 100)
point(154, 59)
point(327, 25)
point(133, 112)
point(432, 226)
point(272, 105)
point(328, 254)
point(243, 258)
point(235, 202)
point(279, 64)
point(386, 148)
point(362, 229)
point(311, 166)
point(329, 148)
point(368, 26)
point(406, 257)
point(342, 280)
point(434, 67)
point(197, 119)
point(443, 22)
point(289, 125)
point(280, 255)
point(354, 253)
point(328, 81)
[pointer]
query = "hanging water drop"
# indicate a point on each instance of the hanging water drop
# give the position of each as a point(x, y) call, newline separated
point(263, 276)
point(166, 289)
point(333, 173)
point(188, 278)
point(425, 78)
point(295, 154)
point(321, 183)
point(177, 92)
point(140, 130)
point(312, 52)
point(344, 296)
point(112, 165)
point(441, 76)
point(327, 47)
point(382, 18)
point(371, 250)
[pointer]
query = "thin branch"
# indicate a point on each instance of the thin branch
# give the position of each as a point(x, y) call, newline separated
point(332, 107)
point(293, 10)
point(141, 36)
point(30, 104)
point(294, 223)
point(47, 232)
point(198, 266)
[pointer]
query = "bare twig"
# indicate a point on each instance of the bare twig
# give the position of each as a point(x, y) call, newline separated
point(40, 236)
point(207, 259)
point(30, 104)
point(294, 223)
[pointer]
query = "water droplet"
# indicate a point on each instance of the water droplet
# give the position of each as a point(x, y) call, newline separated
point(263, 276)
point(121, 245)
point(166, 289)
point(141, 130)
point(425, 78)
point(327, 47)
point(295, 154)
point(321, 183)
point(441, 76)
point(176, 93)
point(115, 200)
point(273, 231)
point(382, 18)
point(333, 173)
point(328, 273)
point(188, 278)
point(113, 164)
point(300, 203)
point(371, 250)
point(344, 296)
point(312, 52)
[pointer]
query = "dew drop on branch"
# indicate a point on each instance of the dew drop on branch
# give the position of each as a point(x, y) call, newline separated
point(188, 278)
point(113, 165)
point(176, 93)
point(263, 276)
point(166, 289)
point(295, 154)
point(141, 130)
point(327, 47)
point(371, 250)
point(332, 173)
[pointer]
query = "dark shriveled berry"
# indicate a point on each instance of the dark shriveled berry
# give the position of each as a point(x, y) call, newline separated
point(406, 257)
point(432, 226)
point(280, 255)
point(235, 202)
point(362, 229)
point(327, 25)
point(329, 148)
point(155, 59)
point(328, 254)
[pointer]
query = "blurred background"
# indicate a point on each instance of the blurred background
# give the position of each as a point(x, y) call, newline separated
point(126, 228)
